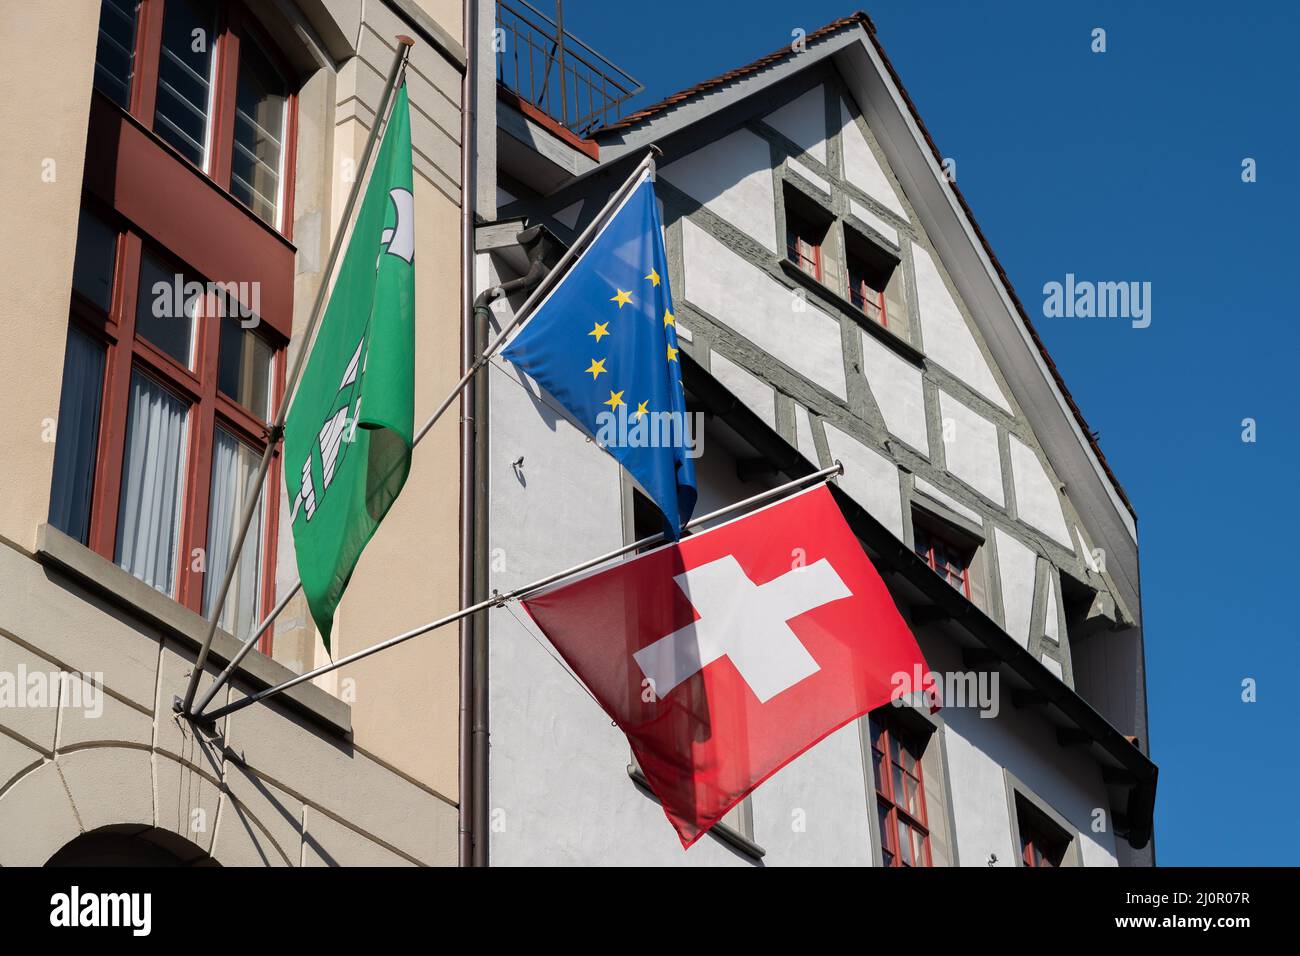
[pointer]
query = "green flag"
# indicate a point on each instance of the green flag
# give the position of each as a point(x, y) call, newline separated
point(347, 438)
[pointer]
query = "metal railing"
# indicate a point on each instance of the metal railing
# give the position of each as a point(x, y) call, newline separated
point(555, 71)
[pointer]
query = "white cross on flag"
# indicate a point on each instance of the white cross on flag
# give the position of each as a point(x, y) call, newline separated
point(729, 654)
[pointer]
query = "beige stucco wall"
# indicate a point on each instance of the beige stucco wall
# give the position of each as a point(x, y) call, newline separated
point(48, 51)
point(274, 786)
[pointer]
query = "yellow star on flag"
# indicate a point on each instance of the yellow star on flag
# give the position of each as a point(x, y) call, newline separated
point(601, 328)
point(669, 319)
point(623, 298)
point(653, 277)
point(596, 368)
point(640, 410)
point(672, 354)
point(615, 400)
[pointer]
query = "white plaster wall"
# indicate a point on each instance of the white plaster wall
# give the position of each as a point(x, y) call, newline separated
point(868, 217)
point(979, 748)
point(803, 434)
point(757, 394)
point(803, 122)
point(733, 178)
point(970, 446)
point(1016, 571)
point(755, 305)
point(861, 167)
point(946, 338)
point(930, 491)
point(1052, 619)
point(1037, 502)
point(559, 788)
point(816, 808)
point(896, 386)
point(814, 179)
point(869, 478)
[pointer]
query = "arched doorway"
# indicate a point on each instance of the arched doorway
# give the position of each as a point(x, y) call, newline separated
point(130, 846)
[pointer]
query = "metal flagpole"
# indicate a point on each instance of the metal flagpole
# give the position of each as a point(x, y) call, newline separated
point(500, 599)
point(404, 44)
point(543, 288)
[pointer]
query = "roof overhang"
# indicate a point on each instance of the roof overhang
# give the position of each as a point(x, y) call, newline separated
point(1129, 775)
point(851, 45)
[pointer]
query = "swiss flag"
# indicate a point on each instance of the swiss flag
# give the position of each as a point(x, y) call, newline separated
point(727, 655)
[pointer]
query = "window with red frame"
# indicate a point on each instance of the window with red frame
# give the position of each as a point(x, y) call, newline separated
point(170, 375)
point(202, 76)
point(805, 233)
point(1042, 842)
point(946, 558)
point(873, 278)
point(900, 793)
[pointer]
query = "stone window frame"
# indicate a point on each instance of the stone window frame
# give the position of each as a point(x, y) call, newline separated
point(1016, 788)
point(928, 729)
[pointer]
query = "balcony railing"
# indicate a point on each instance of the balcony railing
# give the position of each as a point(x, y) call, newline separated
point(555, 71)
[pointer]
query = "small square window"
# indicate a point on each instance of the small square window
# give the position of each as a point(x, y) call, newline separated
point(185, 73)
point(164, 312)
point(806, 229)
point(945, 556)
point(244, 367)
point(874, 280)
point(1042, 841)
point(92, 269)
point(115, 51)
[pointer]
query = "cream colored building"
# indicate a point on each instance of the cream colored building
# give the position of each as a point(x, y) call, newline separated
point(213, 139)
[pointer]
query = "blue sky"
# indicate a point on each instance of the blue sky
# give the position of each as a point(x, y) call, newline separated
point(1123, 166)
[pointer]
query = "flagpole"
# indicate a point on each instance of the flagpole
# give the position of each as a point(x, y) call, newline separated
point(499, 600)
point(525, 310)
point(276, 432)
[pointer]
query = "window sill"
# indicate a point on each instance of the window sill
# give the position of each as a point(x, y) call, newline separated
point(128, 592)
point(833, 298)
point(719, 831)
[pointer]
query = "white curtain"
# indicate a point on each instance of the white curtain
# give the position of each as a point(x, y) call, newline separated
point(234, 471)
point(77, 439)
point(148, 518)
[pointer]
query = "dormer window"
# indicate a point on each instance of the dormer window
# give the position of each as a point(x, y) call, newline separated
point(946, 558)
point(874, 280)
point(806, 227)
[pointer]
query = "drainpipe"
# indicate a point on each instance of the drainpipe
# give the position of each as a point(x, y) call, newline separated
point(468, 195)
point(474, 556)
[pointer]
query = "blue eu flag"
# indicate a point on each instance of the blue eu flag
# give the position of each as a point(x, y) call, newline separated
point(604, 343)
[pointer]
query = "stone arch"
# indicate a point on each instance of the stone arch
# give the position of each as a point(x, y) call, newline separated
point(125, 845)
point(120, 794)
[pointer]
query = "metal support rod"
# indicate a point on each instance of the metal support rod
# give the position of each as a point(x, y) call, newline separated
point(498, 600)
point(524, 311)
point(404, 44)
point(251, 640)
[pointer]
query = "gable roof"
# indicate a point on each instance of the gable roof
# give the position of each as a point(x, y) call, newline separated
point(699, 90)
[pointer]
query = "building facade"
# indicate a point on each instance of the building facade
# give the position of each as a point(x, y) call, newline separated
point(179, 169)
point(836, 302)
point(209, 141)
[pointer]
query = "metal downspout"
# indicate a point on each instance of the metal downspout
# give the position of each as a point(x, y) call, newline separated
point(468, 159)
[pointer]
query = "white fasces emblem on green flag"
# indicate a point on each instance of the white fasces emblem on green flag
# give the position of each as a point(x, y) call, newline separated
point(348, 434)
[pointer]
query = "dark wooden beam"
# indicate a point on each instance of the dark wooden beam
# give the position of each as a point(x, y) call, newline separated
point(924, 614)
point(1072, 737)
point(1028, 700)
point(979, 658)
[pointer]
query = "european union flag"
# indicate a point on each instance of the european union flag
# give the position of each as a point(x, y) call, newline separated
point(603, 342)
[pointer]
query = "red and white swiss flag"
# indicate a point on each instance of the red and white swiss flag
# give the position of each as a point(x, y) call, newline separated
point(727, 655)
